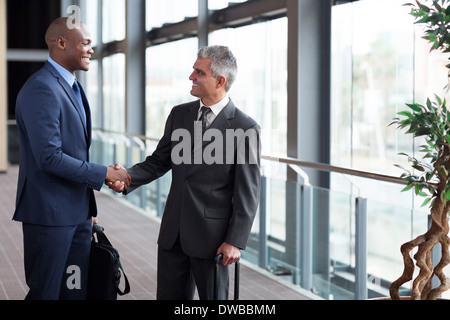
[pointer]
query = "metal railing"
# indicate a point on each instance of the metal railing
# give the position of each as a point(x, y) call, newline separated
point(110, 147)
point(294, 254)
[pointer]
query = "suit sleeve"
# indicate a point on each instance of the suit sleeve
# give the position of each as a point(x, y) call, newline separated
point(155, 165)
point(40, 115)
point(246, 192)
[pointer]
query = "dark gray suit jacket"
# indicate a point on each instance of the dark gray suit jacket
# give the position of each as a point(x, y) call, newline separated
point(208, 203)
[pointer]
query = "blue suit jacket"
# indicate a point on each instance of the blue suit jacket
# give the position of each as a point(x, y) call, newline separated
point(56, 181)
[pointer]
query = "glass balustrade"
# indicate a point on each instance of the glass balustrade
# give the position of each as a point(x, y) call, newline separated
point(337, 244)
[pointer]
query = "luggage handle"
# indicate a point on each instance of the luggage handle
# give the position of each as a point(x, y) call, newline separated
point(237, 267)
point(97, 228)
point(99, 231)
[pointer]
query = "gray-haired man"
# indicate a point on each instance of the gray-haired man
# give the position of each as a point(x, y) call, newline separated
point(211, 206)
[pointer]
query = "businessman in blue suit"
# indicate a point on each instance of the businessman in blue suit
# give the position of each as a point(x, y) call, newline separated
point(55, 199)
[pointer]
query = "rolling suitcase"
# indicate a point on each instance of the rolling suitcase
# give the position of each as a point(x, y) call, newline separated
point(237, 268)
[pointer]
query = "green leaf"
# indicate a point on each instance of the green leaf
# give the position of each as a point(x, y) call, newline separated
point(415, 107)
point(429, 176)
point(423, 7)
point(429, 37)
point(424, 148)
point(438, 99)
point(405, 114)
point(417, 189)
point(403, 154)
point(426, 202)
point(408, 187)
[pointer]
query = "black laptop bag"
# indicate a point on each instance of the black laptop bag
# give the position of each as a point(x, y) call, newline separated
point(105, 269)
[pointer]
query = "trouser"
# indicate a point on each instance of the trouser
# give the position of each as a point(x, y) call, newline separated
point(179, 274)
point(56, 261)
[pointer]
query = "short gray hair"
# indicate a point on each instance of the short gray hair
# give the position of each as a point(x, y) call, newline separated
point(223, 62)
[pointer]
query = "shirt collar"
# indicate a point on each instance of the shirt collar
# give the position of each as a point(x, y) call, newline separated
point(216, 108)
point(69, 77)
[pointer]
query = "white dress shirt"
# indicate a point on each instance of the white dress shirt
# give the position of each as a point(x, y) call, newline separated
point(215, 110)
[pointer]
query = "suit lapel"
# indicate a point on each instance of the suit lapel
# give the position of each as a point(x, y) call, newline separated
point(71, 95)
point(190, 118)
point(221, 122)
point(191, 115)
point(87, 111)
point(75, 103)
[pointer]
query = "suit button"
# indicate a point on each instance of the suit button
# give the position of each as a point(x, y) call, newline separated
point(187, 180)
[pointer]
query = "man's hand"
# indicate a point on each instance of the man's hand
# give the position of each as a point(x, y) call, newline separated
point(231, 254)
point(117, 178)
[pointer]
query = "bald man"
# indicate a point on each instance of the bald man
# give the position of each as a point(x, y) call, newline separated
point(55, 199)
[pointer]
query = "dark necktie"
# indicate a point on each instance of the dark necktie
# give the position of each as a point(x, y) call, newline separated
point(205, 111)
point(76, 89)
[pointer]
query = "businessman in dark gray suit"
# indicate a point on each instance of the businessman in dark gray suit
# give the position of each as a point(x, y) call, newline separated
point(215, 181)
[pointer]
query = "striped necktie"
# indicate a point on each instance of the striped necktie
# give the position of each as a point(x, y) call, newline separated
point(205, 111)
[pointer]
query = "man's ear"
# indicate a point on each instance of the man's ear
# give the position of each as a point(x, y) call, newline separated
point(221, 81)
point(61, 43)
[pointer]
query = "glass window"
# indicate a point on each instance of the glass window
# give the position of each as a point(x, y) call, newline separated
point(372, 79)
point(377, 67)
point(114, 93)
point(91, 18)
point(91, 90)
point(168, 81)
point(221, 4)
point(375, 64)
point(169, 11)
point(379, 63)
point(113, 20)
point(260, 89)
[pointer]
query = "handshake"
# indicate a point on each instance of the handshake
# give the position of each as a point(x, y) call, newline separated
point(117, 178)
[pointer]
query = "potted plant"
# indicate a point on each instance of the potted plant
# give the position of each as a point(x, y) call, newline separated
point(430, 177)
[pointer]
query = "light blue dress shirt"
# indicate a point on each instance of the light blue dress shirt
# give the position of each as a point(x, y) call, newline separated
point(70, 79)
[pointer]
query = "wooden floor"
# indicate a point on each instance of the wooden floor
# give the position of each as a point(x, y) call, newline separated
point(134, 235)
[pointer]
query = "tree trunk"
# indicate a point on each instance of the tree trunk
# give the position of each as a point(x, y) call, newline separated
point(438, 233)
